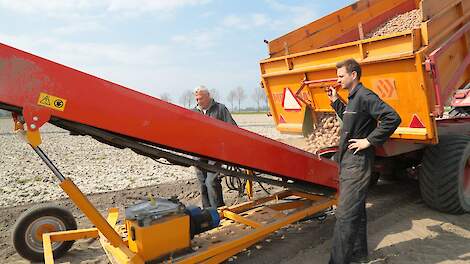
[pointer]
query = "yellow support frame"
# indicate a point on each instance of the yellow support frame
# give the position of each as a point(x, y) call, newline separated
point(284, 213)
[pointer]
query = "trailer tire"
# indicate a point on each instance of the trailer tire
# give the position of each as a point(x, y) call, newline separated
point(374, 179)
point(445, 176)
point(29, 227)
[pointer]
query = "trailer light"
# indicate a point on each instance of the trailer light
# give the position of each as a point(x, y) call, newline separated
point(416, 122)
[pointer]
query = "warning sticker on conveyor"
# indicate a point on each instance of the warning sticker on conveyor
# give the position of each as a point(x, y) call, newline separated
point(51, 101)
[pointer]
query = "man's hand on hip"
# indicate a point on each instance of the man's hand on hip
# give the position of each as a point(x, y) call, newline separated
point(358, 144)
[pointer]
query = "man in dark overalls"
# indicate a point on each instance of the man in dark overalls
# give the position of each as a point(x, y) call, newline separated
point(367, 123)
point(210, 182)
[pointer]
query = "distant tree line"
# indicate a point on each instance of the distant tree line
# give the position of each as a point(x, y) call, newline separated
point(165, 97)
point(234, 99)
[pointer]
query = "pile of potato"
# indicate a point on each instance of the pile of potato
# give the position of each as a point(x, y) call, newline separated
point(400, 23)
point(325, 133)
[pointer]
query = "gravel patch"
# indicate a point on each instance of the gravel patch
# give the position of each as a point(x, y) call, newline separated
point(95, 167)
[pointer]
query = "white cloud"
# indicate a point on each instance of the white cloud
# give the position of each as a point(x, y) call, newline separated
point(207, 14)
point(245, 22)
point(47, 7)
point(151, 69)
point(260, 19)
point(297, 15)
point(209, 38)
point(198, 39)
point(234, 21)
point(142, 6)
point(75, 28)
point(56, 7)
point(79, 16)
point(88, 56)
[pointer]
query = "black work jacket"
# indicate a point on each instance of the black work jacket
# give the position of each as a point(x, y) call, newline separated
point(217, 111)
point(364, 116)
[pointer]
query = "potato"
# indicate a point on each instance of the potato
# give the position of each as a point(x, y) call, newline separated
point(325, 133)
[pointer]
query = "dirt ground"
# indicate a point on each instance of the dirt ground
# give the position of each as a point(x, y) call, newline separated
point(401, 228)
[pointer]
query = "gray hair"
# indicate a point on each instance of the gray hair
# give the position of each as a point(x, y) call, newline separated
point(201, 88)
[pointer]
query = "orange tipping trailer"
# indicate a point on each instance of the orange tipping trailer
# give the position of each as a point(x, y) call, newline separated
point(415, 71)
point(420, 72)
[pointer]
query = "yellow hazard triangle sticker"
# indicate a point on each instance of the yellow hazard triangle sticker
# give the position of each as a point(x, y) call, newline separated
point(51, 101)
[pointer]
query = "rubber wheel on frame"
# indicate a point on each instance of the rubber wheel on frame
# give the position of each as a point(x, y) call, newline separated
point(445, 176)
point(39, 219)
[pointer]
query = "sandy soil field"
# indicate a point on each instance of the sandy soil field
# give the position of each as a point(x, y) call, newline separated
point(401, 228)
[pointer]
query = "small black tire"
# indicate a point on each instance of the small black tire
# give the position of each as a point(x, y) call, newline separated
point(27, 231)
point(443, 176)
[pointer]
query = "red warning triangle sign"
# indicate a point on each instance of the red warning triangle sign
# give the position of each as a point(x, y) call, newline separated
point(289, 102)
point(416, 122)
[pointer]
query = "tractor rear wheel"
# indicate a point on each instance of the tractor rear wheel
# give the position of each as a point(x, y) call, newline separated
point(40, 219)
point(445, 176)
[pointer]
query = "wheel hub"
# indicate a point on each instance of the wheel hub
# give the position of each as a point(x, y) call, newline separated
point(42, 225)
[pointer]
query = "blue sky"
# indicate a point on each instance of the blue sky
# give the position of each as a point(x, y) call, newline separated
point(158, 46)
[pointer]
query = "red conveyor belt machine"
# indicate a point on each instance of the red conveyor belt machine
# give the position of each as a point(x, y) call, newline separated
point(38, 91)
